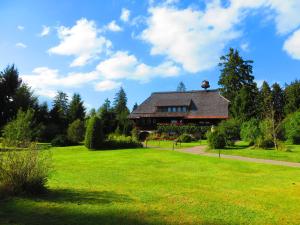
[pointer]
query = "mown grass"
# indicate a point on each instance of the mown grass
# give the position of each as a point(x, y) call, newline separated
point(169, 144)
point(242, 149)
point(146, 186)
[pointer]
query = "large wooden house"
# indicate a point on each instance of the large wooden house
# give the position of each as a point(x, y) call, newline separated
point(203, 107)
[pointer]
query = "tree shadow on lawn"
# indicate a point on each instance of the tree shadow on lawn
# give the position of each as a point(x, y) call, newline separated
point(78, 207)
point(83, 197)
point(61, 207)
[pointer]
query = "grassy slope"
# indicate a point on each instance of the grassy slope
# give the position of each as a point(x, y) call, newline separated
point(293, 155)
point(158, 187)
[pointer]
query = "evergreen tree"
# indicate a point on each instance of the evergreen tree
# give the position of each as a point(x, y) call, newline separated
point(58, 113)
point(278, 101)
point(108, 117)
point(236, 78)
point(265, 97)
point(235, 74)
point(122, 112)
point(134, 106)
point(76, 109)
point(120, 101)
point(181, 87)
point(9, 84)
point(244, 106)
point(292, 97)
point(94, 135)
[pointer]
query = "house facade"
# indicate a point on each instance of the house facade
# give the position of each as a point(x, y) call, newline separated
point(203, 107)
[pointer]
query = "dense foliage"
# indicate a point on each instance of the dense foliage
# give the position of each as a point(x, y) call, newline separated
point(19, 132)
point(94, 136)
point(76, 131)
point(292, 128)
point(24, 172)
point(216, 139)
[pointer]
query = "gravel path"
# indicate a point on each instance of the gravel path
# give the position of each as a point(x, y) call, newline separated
point(200, 150)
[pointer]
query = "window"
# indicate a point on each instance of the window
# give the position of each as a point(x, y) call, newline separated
point(174, 109)
point(169, 109)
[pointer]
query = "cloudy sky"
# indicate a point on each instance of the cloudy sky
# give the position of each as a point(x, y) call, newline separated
point(94, 47)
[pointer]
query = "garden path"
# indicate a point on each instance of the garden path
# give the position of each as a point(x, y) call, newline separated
point(200, 150)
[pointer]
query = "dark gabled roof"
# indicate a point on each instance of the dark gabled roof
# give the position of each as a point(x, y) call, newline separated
point(203, 104)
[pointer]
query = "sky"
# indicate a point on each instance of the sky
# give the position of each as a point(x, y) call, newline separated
point(95, 47)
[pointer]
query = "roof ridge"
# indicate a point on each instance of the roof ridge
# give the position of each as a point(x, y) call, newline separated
point(179, 92)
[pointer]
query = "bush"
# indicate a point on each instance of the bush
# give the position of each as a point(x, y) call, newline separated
point(231, 130)
point(94, 134)
point(250, 131)
point(19, 132)
point(60, 141)
point(115, 141)
point(76, 131)
point(179, 129)
point(24, 172)
point(187, 138)
point(292, 128)
point(216, 139)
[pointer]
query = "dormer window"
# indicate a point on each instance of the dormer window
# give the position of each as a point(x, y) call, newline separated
point(172, 109)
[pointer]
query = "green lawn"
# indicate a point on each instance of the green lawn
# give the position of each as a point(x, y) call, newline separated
point(241, 148)
point(146, 186)
point(169, 144)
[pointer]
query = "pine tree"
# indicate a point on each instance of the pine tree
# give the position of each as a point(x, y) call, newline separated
point(122, 112)
point(292, 97)
point(135, 106)
point(265, 97)
point(278, 101)
point(108, 117)
point(76, 109)
point(181, 87)
point(120, 101)
point(9, 84)
point(235, 73)
point(236, 78)
point(59, 112)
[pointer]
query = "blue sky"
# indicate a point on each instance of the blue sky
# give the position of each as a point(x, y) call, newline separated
point(94, 47)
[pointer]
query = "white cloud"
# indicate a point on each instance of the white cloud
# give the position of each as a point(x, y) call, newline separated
point(193, 38)
point(122, 65)
point(196, 38)
point(113, 26)
point(292, 45)
point(21, 45)
point(45, 31)
point(82, 41)
point(245, 47)
point(107, 85)
point(125, 14)
point(20, 28)
point(46, 81)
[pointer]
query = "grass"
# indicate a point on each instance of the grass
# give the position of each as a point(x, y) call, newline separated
point(169, 144)
point(242, 149)
point(146, 186)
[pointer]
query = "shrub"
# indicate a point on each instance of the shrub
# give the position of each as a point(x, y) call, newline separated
point(265, 139)
point(179, 129)
point(24, 172)
point(250, 131)
point(60, 141)
point(186, 138)
point(231, 130)
point(216, 139)
point(115, 141)
point(19, 132)
point(76, 131)
point(292, 128)
point(94, 134)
